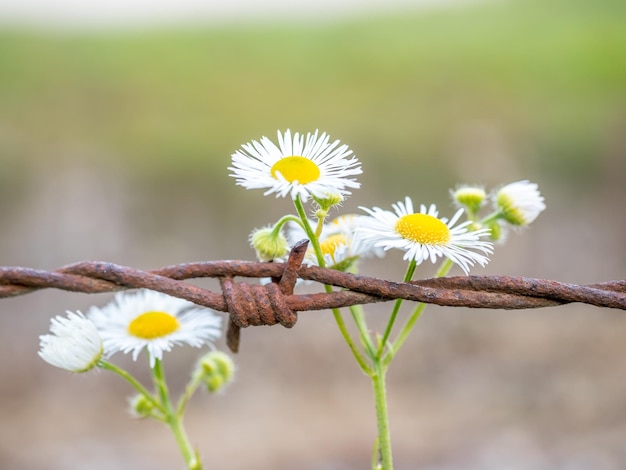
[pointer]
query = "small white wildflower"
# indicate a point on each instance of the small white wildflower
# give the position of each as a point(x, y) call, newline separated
point(423, 235)
point(74, 344)
point(297, 166)
point(519, 203)
point(155, 321)
point(338, 244)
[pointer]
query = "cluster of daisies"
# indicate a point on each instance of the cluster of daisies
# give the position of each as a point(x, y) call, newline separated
point(301, 167)
point(132, 322)
point(314, 167)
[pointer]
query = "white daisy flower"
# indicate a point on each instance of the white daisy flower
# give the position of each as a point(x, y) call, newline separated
point(423, 235)
point(74, 344)
point(155, 321)
point(519, 203)
point(339, 247)
point(298, 166)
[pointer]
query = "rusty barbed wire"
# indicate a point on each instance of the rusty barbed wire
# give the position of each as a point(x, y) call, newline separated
point(251, 305)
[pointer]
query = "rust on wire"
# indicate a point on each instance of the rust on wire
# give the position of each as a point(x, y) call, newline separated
point(272, 303)
point(256, 304)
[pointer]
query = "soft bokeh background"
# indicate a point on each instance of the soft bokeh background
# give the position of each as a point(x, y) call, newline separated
point(114, 145)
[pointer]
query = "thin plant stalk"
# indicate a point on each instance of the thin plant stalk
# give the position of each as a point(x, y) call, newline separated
point(410, 323)
point(133, 382)
point(377, 370)
point(383, 443)
point(174, 419)
point(396, 308)
point(336, 312)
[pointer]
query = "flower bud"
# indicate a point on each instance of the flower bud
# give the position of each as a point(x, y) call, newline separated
point(497, 232)
point(74, 344)
point(216, 369)
point(471, 197)
point(330, 200)
point(142, 407)
point(269, 244)
point(519, 203)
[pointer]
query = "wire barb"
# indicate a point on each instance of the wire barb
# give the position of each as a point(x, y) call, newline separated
point(262, 304)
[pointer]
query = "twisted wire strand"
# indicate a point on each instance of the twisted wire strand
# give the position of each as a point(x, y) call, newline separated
point(495, 292)
point(272, 303)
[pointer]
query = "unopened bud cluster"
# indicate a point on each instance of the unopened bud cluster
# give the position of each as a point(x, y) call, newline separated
point(216, 369)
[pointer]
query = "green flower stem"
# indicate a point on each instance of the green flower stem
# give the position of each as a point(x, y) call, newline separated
point(158, 377)
point(365, 367)
point(309, 232)
point(381, 364)
point(336, 312)
point(383, 443)
point(408, 326)
point(359, 320)
point(404, 333)
point(377, 372)
point(282, 221)
point(189, 454)
point(320, 226)
point(134, 382)
point(491, 217)
point(396, 308)
point(190, 389)
point(173, 420)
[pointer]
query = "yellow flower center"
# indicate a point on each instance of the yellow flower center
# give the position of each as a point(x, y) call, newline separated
point(330, 244)
point(423, 228)
point(150, 325)
point(296, 168)
point(345, 218)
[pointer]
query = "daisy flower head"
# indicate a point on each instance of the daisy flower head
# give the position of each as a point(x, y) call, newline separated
point(338, 244)
point(519, 203)
point(297, 166)
point(346, 225)
point(74, 344)
point(154, 321)
point(424, 235)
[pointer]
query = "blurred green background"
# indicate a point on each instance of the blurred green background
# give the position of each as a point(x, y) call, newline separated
point(114, 145)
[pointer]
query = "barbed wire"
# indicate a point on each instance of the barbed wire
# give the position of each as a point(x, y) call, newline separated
point(257, 304)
